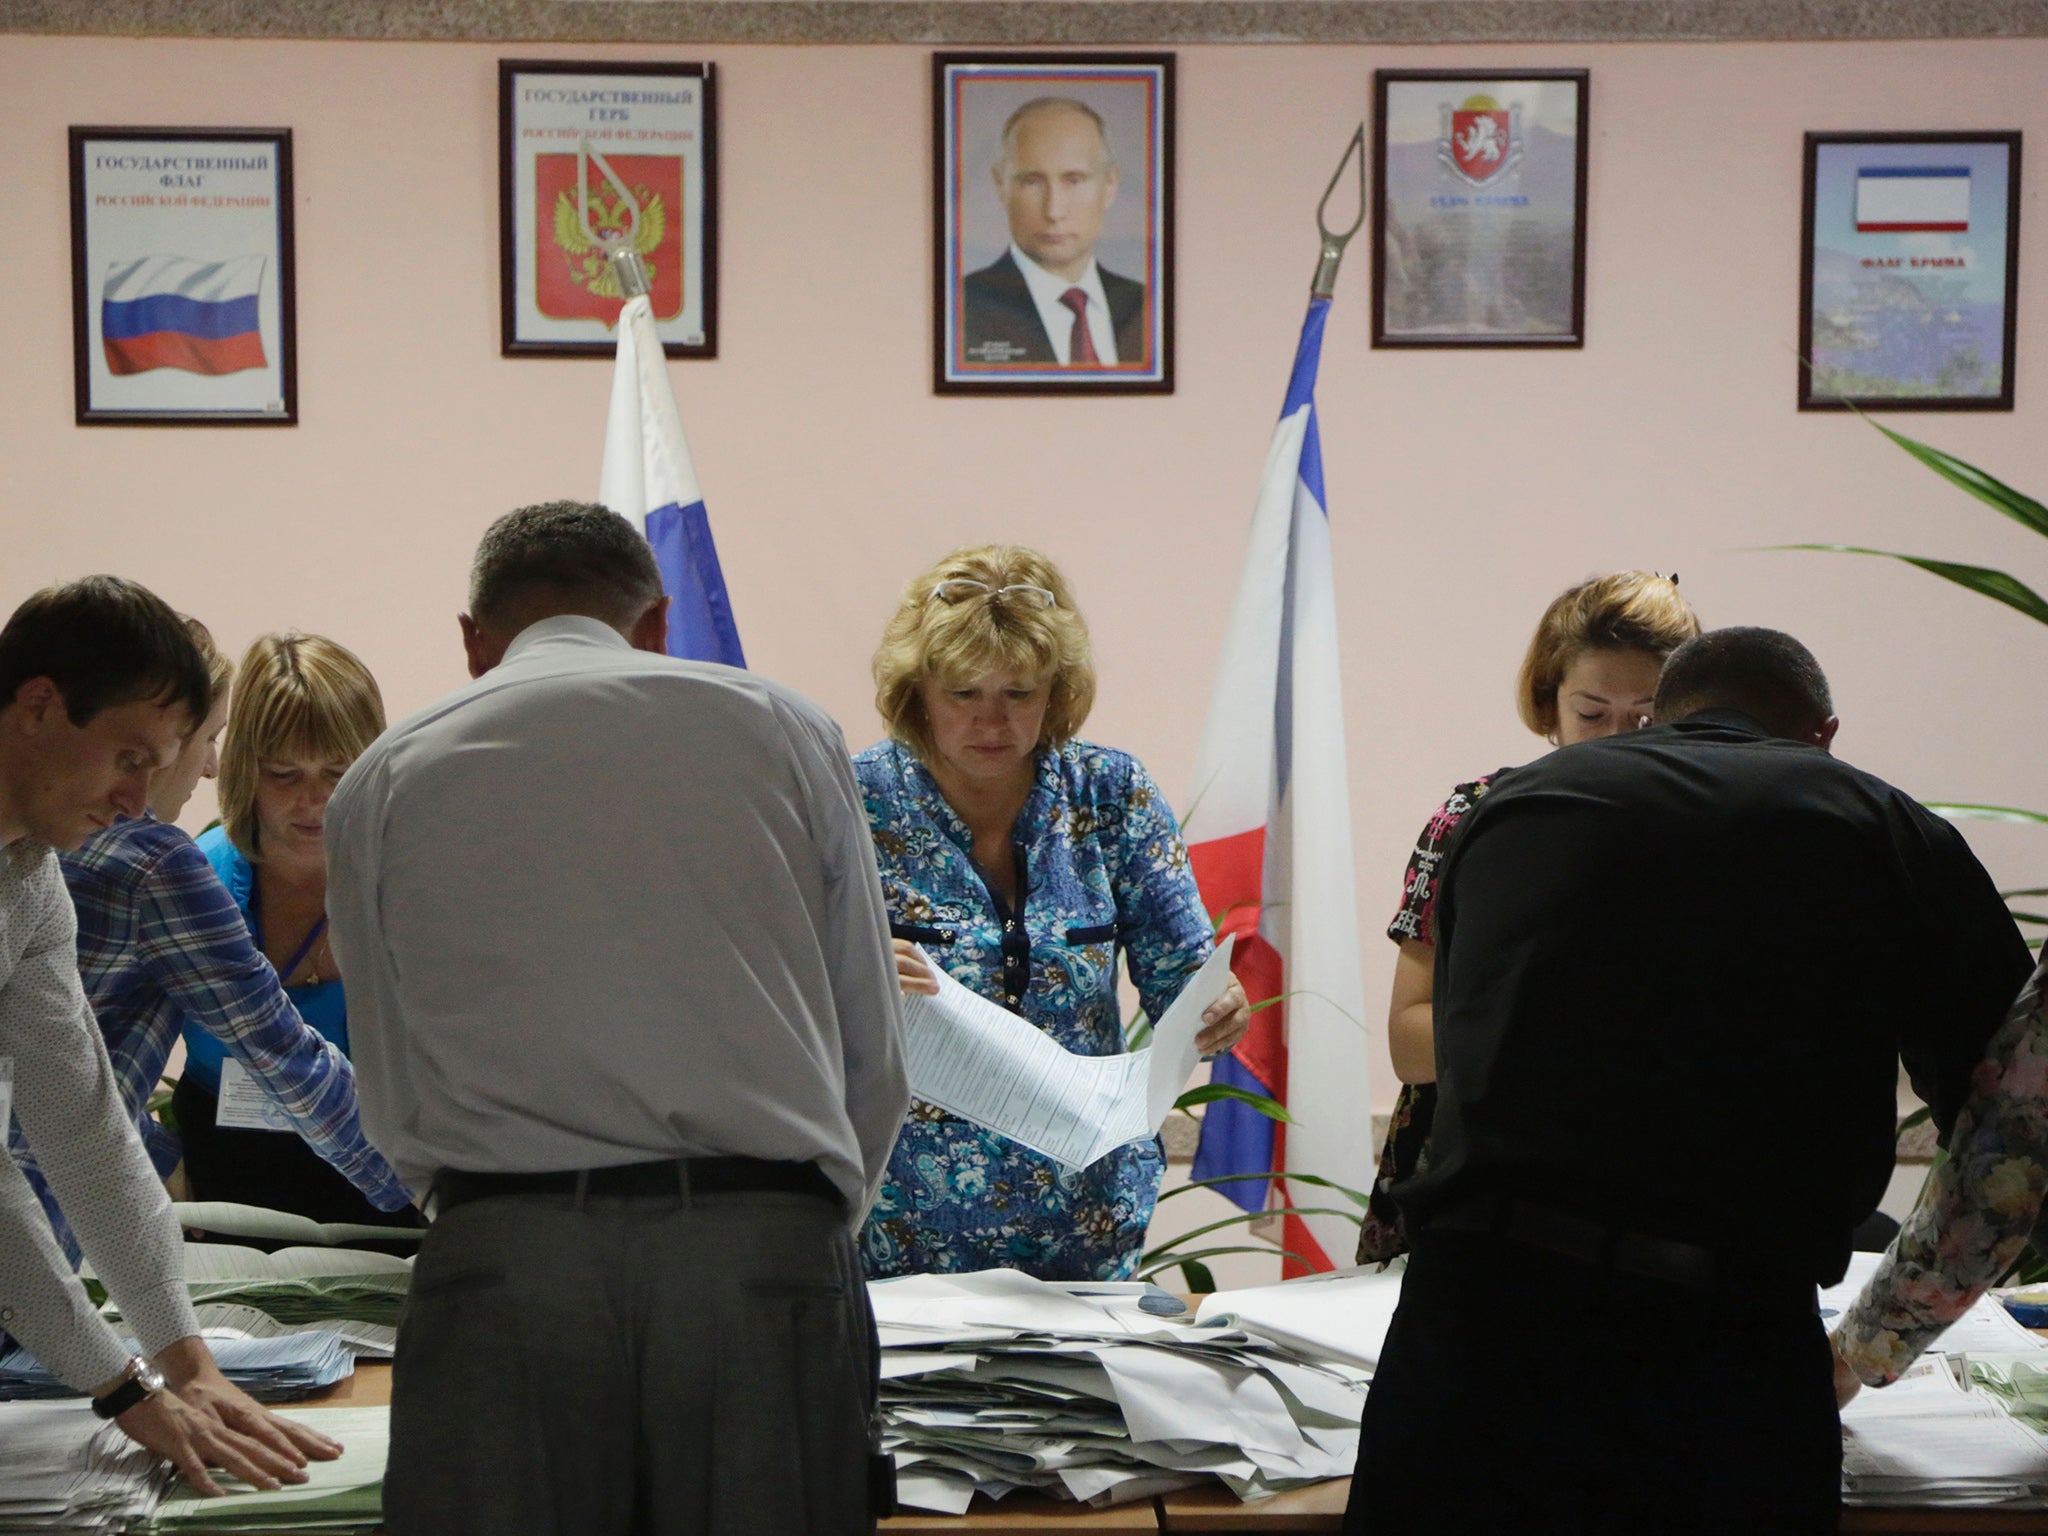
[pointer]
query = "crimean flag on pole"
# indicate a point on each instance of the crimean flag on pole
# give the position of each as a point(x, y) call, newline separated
point(650, 481)
point(1270, 840)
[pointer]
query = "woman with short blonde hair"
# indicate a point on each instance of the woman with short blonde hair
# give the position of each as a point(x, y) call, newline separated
point(1025, 861)
point(301, 696)
point(1590, 671)
point(304, 709)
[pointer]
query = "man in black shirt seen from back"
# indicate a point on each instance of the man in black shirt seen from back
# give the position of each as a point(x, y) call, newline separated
point(1675, 973)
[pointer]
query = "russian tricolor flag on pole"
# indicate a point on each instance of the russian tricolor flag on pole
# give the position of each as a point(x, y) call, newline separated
point(649, 479)
point(1912, 199)
point(1270, 841)
point(174, 312)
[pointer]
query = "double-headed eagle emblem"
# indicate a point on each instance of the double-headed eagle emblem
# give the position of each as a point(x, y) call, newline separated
point(586, 260)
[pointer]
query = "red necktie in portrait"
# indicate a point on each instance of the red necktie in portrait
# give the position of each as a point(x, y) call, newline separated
point(1080, 345)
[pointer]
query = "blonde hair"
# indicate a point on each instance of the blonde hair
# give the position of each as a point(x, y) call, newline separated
point(1627, 611)
point(300, 696)
point(959, 641)
point(220, 672)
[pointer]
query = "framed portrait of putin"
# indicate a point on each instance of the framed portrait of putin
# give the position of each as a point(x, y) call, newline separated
point(591, 155)
point(1052, 223)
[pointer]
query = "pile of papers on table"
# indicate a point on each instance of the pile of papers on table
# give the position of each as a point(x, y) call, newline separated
point(271, 1370)
point(995, 1381)
point(62, 1469)
point(354, 1293)
point(337, 1496)
point(1955, 1430)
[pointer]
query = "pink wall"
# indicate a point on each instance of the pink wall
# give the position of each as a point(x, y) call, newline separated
point(1466, 487)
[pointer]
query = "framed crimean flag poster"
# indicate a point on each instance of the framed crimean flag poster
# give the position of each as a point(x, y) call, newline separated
point(1909, 271)
point(589, 154)
point(182, 309)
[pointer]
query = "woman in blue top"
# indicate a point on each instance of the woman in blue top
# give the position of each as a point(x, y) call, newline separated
point(1024, 861)
point(162, 946)
point(304, 708)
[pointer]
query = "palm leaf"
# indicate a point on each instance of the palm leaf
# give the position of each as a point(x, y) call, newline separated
point(1954, 811)
point(1197, 1275)
point(1981, 579)
point(1211, 1253)
point(2034, 890)
point(1208, 1093)
point(1361, 1201)
point(1994, 493)
point(1246, 1216)
point(2039, 919)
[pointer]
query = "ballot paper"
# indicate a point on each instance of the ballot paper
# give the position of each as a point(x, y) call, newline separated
point(228, 1219)
point(342, 1495)
point(986, 1064)
point(338, 1286)
point(63, 1469)
point(270, 1370)
point(996, 1381)
point(230, 1320)
point(1340, 1316)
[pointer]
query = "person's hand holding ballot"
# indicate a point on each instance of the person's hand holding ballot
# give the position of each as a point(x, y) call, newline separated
point(1224, 1021)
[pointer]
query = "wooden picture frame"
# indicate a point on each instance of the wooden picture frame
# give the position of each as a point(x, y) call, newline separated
point(183, 290)
point(560, 125)
point(1909, 271)
point(1015, 242)
point(1479, 207)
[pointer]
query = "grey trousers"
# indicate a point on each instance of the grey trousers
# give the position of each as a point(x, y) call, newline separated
point(646, 1366)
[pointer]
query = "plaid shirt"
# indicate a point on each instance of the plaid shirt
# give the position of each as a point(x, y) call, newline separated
point(161, 943)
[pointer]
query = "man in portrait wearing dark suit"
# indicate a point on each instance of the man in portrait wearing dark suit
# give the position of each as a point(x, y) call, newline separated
point(1045, 300)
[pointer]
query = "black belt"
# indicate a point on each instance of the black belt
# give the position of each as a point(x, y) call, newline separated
point(1572, 1236)
point(671, 1177)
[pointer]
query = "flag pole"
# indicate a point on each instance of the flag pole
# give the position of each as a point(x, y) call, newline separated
point(628, 267)
point(1325, 284)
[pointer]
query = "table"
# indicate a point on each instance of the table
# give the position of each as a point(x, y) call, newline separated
point(1217, 1511)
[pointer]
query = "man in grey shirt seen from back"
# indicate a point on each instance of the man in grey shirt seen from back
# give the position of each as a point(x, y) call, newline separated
point(621, 992)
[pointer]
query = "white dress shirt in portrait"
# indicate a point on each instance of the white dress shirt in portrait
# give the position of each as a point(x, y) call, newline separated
point(1053, 313)
point(605, 907)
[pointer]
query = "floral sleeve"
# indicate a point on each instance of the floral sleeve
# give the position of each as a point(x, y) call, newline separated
point(1974, 1216)
point(1168, 934)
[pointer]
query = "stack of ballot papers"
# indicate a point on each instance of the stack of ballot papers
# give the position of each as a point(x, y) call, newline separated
point(1338, 1318)
point(271, 1370)
point(337, 1496)
point(1928, 1440)
point(995, 1381)
point(62, 1469)
point(354, 1293)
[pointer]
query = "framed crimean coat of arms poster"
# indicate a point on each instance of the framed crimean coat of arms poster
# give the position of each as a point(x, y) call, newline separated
point(591, 154)
point(1479, 208)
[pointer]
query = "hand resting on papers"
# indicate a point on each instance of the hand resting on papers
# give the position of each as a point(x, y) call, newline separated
point(1224, 1021)
point(203, 1420)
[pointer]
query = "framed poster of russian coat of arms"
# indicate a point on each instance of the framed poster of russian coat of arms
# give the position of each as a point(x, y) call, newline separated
point(182, 307)
point(1479, 208)
point(593, 153)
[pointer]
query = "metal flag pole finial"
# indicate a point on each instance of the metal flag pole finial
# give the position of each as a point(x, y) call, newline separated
point(629, 269)
point(1334, 241)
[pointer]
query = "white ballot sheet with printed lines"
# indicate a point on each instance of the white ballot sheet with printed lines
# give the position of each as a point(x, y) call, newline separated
point(983, 1063)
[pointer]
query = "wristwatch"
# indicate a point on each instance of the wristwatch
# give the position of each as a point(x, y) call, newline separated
point(141, 1380)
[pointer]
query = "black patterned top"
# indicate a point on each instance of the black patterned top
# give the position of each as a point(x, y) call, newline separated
point(1382, 1235)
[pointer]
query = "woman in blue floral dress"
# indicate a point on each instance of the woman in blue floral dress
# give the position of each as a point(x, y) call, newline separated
point(1024, 861)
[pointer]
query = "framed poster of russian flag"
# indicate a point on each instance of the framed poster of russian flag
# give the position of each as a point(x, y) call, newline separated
point(182, 309)
point(1909, 271)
